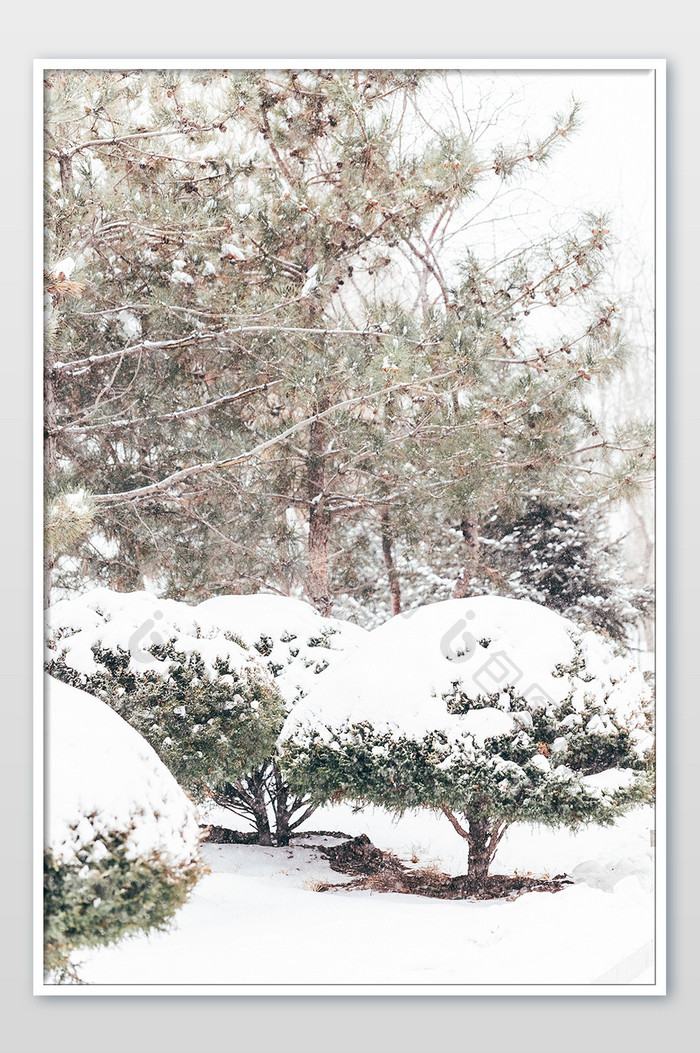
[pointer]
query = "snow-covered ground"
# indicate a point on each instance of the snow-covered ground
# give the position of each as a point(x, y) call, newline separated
point(257, 917)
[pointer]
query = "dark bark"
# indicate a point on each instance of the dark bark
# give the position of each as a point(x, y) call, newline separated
point(65, 167)
point(481, 852)
point(263, 799)
point(470, 532)
point(258, 804)
point(281, 808)
point(318, 587)
point(50, 463)
point(388, 553)
point(483, 836)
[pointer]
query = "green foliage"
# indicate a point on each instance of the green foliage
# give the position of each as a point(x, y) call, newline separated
point(559, 556)
point(104, 894)
point(208, 729)
point(530, 774)
point(279, 253)
point(69, 517)
point(498, 782)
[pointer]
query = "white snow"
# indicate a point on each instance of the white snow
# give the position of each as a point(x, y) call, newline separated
point(65, 267)
point(133, 622)
point(232, 251)
point(97, 763)
point(483, 644)
point(256, 918)
point(302, 643)
point(130, 325)
point(311, 280)
point(297, 643)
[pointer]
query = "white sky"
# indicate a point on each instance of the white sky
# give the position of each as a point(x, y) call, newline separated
point(607, 165)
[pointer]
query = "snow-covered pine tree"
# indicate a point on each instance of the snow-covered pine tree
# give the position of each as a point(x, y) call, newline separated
point(564, 558)
point(491, 711)
point(204, 702)
point(207, 686)
point(122, 839)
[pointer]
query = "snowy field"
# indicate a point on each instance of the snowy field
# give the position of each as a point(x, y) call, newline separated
point(256, 917)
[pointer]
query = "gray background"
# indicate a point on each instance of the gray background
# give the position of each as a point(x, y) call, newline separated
point(320, 29)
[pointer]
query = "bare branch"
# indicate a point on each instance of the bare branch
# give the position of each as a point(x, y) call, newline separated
point(455, 822)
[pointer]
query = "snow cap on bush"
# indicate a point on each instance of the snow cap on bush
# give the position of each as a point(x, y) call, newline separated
point(133, 622)
point(102, 777)
point(205, 702)
point(294, 641)
point(487, 648)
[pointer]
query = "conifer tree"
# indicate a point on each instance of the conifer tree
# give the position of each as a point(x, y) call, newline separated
point(489, 711)
point(262, 352)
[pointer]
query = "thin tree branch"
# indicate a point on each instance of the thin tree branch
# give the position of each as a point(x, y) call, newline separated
point(230, 462)
point(457, 825)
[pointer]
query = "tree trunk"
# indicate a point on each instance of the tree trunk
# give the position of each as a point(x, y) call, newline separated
point(470, 532)
point(65, 167)
point(258, 807)
point(481, 852)
point(50, 462)
point(281, 808)
point(483, 837)
point(318, 587)
point(388, 552)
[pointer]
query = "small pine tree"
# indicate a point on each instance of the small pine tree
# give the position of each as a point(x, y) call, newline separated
point(558, 555)
point(203, 701)
point(209, 692)
point(490, 711)
point(104, 893)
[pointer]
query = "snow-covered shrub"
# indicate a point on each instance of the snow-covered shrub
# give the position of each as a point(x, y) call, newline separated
point(207, 686)
point(298, 646)
point(121, 836)
point(204, 701)
point(490, 710)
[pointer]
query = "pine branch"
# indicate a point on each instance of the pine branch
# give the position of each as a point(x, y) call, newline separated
point(231, 462)
point(198, 337)
point(191, 411)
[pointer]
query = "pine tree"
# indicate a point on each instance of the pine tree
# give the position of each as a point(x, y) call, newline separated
point(207, 687)
point(121, 839)
point(204, 702)
point(262, 352)
point(560, 556)
point(489, 711)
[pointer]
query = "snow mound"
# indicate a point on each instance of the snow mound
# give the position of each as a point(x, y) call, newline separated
point(488, 648)
point(293, 639)
point(102, 776)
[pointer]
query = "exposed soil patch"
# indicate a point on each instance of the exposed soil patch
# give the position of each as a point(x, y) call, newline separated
point(221, 835)
point(384, 872)
point(380, 871)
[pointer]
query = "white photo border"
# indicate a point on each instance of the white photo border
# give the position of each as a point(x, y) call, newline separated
point(657, 67)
